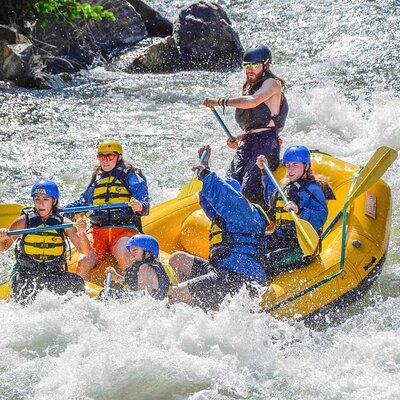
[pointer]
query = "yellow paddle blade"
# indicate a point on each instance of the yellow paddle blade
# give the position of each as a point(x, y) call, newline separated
point(306, 235)
point(192, 187)
point(382, 159)
point(8, 213)
point(5, 291)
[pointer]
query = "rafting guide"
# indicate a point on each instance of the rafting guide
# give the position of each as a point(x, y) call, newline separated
point(261, 113)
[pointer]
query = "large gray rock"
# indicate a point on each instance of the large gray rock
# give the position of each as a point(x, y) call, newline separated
point(156, 24)
point(161, 56)
point(11, 35)
point(69, 47)
point(206, 39)
point(14, 60)
point(20, 65)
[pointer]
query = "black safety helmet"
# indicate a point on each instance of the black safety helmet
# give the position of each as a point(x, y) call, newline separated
point(258, 53)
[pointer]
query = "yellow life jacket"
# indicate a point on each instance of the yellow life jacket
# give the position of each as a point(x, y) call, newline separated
point(111, 187)
point(43, 247)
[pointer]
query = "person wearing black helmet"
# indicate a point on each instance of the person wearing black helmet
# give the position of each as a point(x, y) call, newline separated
point(261, 114)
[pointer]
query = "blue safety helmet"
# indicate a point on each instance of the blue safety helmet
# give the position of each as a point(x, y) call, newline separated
point(145, 242)
point(49, 188)
point(234, 184)
point(258, 53)
point(297, 154)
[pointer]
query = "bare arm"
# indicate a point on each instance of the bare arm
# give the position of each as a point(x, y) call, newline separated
point(269, 88)
point(7, 241)
point(78, 236)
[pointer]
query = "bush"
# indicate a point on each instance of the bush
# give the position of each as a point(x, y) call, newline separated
point(43, 10)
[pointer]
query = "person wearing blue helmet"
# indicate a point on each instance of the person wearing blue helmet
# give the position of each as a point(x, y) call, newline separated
point(236, 237)
point(307, 194)
point(41, 257)
point(261, 113)
point(145, 271)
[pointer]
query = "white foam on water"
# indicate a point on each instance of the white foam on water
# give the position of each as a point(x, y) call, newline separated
point(340, 60)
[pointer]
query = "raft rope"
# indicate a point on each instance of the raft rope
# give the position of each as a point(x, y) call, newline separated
point(342, 250)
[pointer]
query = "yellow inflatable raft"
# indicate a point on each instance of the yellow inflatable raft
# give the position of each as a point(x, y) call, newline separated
point(350, 258)
point(353, 246)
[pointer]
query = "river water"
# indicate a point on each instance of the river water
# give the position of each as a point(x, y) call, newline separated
point(341, 61)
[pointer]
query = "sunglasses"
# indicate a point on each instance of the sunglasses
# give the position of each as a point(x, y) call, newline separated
point(107, 156)
point(250, 65)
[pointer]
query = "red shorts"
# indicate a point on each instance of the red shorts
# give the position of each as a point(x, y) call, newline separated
point(104, 239)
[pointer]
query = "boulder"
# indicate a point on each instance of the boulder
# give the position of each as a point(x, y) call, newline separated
point(206, 39)
point(10, 35)
point(69, 47)
point(161, 56)
point(156, 24)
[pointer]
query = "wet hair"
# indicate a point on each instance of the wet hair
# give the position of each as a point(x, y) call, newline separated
point(120, 163)
point(309, 175)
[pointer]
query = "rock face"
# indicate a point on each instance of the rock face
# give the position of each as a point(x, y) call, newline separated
point(156, 24)
point(206, 39)
point(69, 47)
point(203, 39)
point(160, 57)
point(18, 61)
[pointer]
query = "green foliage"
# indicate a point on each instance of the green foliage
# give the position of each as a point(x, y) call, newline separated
point(44, 10)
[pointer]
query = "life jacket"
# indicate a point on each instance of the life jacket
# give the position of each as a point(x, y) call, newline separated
point(260, 116)
point(131, 278)
point(283, 219)
point(110, 188)
point(44, 250)
point(222, 241)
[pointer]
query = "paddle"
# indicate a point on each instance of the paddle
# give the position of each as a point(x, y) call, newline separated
point(222, 123)
point(40, 229)
point(306, 235)
point(107, 286)
point(377, 165)
point(194, 185)
point(73, 210)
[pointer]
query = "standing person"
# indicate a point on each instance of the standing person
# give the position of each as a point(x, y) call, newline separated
point(145, 271)
point(307, 194)
point(235, 248)
point(113, 181)
point(40, 257)
point(261, 114)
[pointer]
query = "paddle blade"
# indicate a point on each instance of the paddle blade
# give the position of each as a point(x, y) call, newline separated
point(306, 235)
point(382, 159)
point(8, 213)
point(191, 188)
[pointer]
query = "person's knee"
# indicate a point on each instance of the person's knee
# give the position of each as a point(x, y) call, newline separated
point(87, 262)
point(181, 262)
